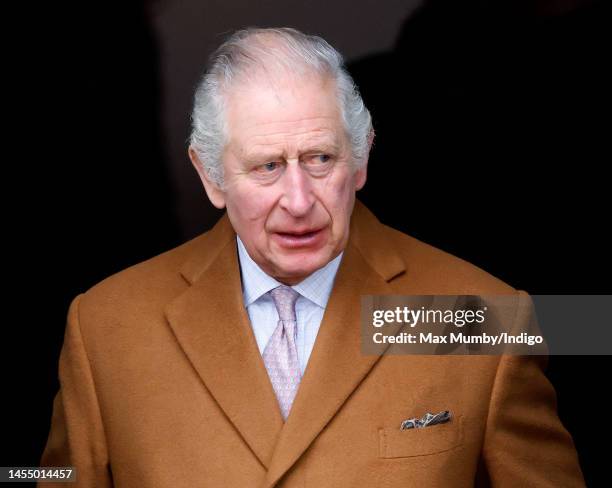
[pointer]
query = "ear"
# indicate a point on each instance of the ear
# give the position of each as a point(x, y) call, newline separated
point(215, 194)
point(361, 176)
point(362, 173)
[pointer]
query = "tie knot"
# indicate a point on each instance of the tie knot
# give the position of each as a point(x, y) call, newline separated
point(284, 298)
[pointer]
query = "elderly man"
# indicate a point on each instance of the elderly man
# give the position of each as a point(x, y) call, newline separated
point(234, 360)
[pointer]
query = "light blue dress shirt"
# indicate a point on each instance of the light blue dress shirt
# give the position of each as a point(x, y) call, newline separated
point(309, 308)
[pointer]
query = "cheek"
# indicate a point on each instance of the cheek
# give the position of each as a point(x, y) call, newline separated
point(341, 195)
point(250, 207)
point(339, 200)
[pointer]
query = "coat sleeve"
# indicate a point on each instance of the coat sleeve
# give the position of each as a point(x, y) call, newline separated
point(525, 442)
point(76, 437)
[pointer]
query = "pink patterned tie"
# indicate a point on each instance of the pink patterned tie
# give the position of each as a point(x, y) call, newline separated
point(280, 354)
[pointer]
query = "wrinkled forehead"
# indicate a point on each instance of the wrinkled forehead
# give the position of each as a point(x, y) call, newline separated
point(289, 103)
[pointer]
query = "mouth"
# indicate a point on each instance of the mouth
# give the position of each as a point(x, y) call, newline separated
point(299, 238)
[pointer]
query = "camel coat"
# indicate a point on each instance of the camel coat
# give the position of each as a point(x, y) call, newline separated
point(162, 384)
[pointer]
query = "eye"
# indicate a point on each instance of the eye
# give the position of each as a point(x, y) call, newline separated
point(267, 172)
point(269, 167)
point(319, 164)
point(318, 160)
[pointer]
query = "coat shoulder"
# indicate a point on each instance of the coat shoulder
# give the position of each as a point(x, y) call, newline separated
point(435, 271)
point(146, 284)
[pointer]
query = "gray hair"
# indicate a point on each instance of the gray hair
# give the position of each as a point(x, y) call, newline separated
point(255, 50)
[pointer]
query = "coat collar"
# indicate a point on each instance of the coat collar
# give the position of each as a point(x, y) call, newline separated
point(213, 329)
point(367, 234)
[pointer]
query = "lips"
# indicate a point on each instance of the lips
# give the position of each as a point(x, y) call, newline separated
point(299, 238)
point(299, 233)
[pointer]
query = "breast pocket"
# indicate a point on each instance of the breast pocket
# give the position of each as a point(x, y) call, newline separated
point(396, 443)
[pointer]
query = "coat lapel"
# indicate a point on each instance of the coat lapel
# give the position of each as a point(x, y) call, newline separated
point(212, 327)
point(337, 366)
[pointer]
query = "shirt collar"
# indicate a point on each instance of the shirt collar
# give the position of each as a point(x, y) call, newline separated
point(256, 283)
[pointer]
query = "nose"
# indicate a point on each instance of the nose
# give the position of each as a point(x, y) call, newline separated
point(297, 198)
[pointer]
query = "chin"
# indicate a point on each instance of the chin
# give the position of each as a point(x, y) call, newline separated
point(297, 270)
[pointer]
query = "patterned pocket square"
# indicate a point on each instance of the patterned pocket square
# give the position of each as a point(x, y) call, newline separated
point(427, 420)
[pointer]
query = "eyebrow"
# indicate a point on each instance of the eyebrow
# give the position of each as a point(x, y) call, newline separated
point(316, 148)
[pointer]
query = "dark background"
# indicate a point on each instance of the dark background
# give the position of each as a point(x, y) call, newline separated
point(492, 122)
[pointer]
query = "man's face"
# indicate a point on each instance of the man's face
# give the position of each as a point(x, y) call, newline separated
point(289, 180)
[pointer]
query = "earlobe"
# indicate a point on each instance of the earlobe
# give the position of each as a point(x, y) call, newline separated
point(215, 194)
point(361, 176)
